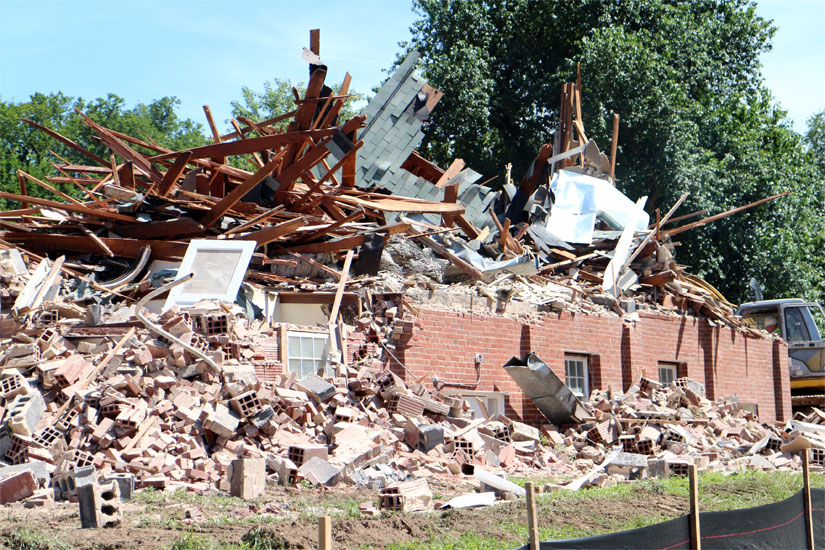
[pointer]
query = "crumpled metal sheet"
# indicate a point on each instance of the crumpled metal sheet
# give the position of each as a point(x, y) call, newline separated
point(580, 199)
point(547, 391)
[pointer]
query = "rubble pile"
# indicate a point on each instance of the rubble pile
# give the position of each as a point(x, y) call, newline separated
point(306, 202)
point(130, 407)
point(104, 391)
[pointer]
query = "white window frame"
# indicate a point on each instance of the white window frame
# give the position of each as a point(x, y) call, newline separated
point(240, 250)
point(579, 383)
point(316, 359)
point(493, 400)
point(668, 366)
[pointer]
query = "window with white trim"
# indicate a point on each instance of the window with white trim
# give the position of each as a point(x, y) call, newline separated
point(307, 353)
point(492, 401)
point(667, 372)
point(576, 374)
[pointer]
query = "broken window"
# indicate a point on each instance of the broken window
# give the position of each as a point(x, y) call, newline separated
point(218, 268)
point(576, 374)
point(667, 372)
point(307, 353)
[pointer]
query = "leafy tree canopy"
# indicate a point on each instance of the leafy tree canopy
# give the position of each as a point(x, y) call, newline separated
point(23, 147)
point(278, 98)
point(695, 117)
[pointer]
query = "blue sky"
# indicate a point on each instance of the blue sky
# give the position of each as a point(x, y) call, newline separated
point(204, 51)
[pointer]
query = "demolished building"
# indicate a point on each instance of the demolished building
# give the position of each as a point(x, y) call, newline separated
point(351, 303)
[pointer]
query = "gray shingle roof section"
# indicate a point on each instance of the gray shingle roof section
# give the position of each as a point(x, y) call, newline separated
point(394, 130)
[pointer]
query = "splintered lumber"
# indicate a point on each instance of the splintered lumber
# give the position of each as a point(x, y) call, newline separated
point(683, 228)
point(232, 198)
point(67, 141)
point(124, 150)
point(171, 176)
point(399, 204)
point(124, 248)
point(71, 207)
point(451, 172)
point(333, 316)
point(266, 236)
point(165, 228)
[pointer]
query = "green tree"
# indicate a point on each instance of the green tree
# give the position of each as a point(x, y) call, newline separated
point(815, 141)
point(277, 98)
point(695, 116)
point(23, 147)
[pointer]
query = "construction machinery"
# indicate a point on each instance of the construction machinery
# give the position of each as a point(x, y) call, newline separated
point(800, 324)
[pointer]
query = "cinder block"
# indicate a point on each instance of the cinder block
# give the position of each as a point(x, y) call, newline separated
point(65, 485)
point(126, 483)
point(247, 478)
point(222, 422)
point(430, 435)
point(320, 472)
point(25, 412)
point(17, 486)
point(99, 505)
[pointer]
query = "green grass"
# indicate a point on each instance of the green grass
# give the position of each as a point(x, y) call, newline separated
point(717, 491)
point(26, 538)
point(256, 539)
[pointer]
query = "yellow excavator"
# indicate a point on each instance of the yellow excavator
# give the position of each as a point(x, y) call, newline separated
point(799, 323)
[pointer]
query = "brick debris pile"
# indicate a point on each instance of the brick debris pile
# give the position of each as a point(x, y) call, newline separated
point(88, 413)
point(97, 394)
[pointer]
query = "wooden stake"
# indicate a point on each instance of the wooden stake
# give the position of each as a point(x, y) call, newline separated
point(325, 533)
point(809, 518)
point(695, 533)
point(613, 146)
point(532, 526)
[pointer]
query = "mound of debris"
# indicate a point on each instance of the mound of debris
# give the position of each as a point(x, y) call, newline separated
point(106, 388)
point(89, 405)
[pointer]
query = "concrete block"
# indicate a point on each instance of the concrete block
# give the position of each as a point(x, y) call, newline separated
point(126, 483)
point(316, 386)
point(99, 505)
point(25, 412)
point(222, 422)
point(247, 478)
point(430, 435)
point(65, 485)
point(17, 486)
point(320, 472)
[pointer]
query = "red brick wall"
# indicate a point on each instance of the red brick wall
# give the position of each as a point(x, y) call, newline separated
point(445, 344)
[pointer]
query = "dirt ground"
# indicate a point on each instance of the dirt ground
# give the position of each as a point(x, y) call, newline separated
point(289, 517)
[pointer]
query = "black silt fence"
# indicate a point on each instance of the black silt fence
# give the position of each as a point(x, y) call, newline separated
point(780, 525)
